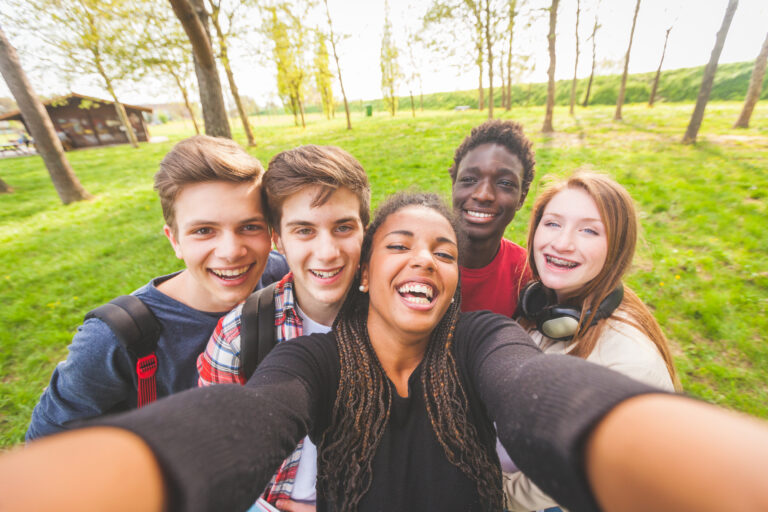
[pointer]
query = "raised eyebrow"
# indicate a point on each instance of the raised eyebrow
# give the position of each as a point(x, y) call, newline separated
point(445, 240)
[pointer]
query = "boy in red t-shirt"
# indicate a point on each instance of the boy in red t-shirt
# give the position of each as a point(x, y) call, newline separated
point(491, 172)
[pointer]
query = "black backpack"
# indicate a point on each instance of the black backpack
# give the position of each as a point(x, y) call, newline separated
point(137, 329)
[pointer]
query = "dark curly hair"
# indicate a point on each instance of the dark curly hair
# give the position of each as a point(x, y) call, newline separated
point(504, 133)
point(364, 398)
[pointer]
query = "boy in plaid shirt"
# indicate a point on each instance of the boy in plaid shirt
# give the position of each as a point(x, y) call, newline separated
point(318, 201)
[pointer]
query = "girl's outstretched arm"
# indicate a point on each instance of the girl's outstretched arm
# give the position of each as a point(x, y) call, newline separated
point(662, 452)
point(89, 470)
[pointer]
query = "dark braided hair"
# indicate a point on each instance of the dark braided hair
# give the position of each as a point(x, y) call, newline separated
point(364, 397)
point(508, 134)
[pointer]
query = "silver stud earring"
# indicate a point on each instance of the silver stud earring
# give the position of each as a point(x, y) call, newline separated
point(361, 288)
point(452, 300)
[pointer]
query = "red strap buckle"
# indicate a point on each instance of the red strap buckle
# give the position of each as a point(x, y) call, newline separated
point(146, 366)
point(145, 369)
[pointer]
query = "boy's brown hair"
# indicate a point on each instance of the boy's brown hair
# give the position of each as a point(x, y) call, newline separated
point(328, 167)
point(201, 159)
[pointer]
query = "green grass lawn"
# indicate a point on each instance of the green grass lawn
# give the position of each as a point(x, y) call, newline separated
point(702, 264)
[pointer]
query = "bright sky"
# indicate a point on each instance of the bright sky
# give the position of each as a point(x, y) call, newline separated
point(695, 24)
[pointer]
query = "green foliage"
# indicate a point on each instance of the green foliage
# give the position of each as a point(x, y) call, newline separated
point(288, 39)
point(323, 75)
point(731, 83)
point(701, 265)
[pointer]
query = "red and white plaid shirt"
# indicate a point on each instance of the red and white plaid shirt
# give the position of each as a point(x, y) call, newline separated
point(220, 364)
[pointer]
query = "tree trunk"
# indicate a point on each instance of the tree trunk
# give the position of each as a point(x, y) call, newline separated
point(547, 127)
point(652, 99)
point(623, 89)
point(480, 91)
point(127, 126)
point(119, 109)
point(338, 67)
point(5, 188)
point(413, 105)
point(184, 94)
point(594, 61)
point(231, 78)
point(512, 5)
point(489, 46)
point(211, 98)
point(40, 126)
point(301, 111)
point(709, 75)
point(576, 64)
point(755, 87)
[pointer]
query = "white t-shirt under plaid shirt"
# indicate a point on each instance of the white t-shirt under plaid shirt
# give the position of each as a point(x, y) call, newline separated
point(220, 363)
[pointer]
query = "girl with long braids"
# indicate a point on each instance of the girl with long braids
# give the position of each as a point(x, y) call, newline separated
point(401, 399)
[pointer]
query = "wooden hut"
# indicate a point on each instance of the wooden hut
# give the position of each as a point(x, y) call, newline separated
point(83, 121)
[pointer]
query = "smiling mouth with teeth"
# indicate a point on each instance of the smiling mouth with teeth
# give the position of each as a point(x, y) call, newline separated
point(418, 293)
point(561, 263)
point(325, 274)
point(230, 274)
point(479, 215)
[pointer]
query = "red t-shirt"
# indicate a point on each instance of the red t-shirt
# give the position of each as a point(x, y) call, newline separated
point(497, 285)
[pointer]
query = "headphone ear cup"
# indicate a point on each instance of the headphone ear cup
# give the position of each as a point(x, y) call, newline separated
point(534, 299)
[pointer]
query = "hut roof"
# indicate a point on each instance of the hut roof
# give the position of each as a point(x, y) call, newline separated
point(15, 115)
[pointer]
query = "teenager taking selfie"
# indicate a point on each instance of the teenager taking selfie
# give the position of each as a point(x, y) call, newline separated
point(401, 398)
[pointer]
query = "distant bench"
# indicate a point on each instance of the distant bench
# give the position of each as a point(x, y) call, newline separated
point(10, 146)
point(460, 108)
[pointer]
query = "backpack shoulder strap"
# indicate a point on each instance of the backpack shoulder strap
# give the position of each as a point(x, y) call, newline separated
point(257, 328)
point(138, 330)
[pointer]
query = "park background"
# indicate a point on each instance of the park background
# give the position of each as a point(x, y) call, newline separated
point(701, 265)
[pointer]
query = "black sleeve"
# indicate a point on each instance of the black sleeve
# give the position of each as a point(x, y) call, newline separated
point(544, 406)
point(218, 446)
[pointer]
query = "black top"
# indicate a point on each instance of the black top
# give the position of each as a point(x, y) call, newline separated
point(218, 445)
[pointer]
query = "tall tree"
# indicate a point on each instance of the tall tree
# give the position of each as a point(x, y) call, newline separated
point(88, 38)
point(486, 4)
point(224, 21)
point(338, 67)
point(457, 18)
point(576, 63)
point(709, 75)
point(623, 88)
point(547, 127)
point(509, 34)
point(655, 87)
point(40, 126)
point(167, 53)
point(289, 40)
point(323, 75)
point(390, 69)
point(414, 70)
point(593, 37)
point(755, 87)
point(193, 19)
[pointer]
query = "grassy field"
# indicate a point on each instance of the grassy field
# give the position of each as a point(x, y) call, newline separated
point(702, 264)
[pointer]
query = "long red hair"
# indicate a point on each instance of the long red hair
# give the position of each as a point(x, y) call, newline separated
point(617, 212)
